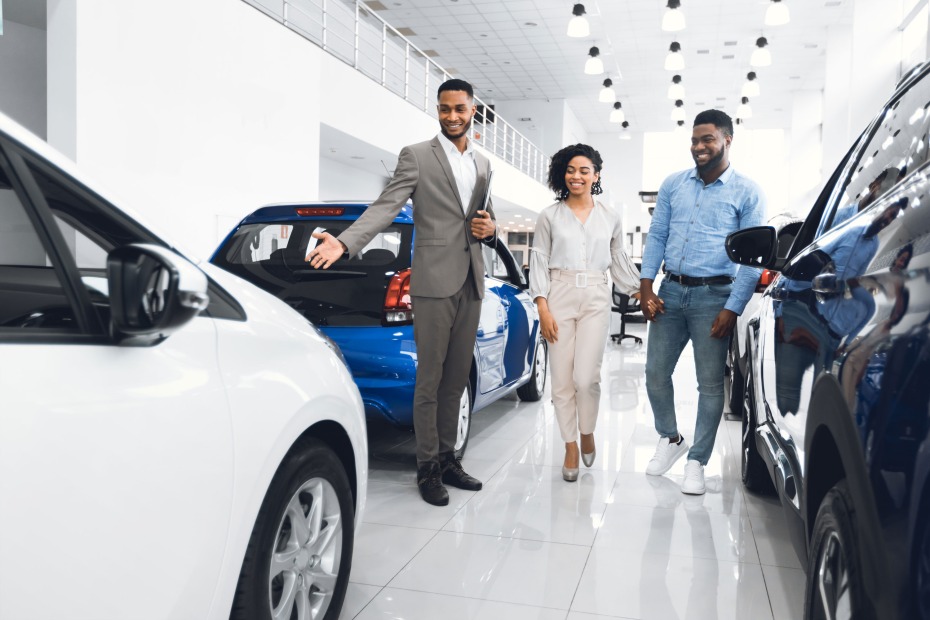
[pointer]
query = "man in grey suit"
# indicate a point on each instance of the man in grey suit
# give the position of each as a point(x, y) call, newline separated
point(447, 181)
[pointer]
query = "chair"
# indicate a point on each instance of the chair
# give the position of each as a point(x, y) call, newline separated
point(625, 307)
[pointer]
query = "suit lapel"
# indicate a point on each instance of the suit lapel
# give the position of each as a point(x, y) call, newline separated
point(446, 168)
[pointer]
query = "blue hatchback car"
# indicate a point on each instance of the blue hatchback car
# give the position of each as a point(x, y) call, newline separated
point(363, 304)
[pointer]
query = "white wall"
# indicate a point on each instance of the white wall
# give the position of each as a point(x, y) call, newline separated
point(340, 181)
point(22, 75)
point(196, 113)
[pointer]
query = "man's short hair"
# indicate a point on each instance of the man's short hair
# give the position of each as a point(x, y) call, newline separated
point(718, 118)
point(455, 84)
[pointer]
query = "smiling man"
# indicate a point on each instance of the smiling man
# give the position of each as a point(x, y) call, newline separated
point(703, 292)
point(447, 181)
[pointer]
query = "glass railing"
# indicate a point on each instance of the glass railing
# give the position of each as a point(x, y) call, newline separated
point(352, 32)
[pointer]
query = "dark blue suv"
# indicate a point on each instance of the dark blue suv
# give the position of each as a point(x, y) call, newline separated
point(837, 393)
point(363, 305)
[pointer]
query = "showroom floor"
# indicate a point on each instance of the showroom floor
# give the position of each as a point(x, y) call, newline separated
point(615, 544)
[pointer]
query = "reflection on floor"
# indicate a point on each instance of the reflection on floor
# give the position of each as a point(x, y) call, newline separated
point(615, 544)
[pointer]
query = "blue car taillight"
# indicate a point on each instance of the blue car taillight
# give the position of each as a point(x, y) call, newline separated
point(397, 307)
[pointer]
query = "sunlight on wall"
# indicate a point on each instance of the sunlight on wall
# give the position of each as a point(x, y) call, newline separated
point(759, 154)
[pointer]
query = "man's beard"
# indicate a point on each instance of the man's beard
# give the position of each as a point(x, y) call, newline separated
point(465, 129)
point(711, 163)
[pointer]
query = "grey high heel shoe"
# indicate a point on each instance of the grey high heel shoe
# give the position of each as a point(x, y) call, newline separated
point(569, 474)
point(588, 457)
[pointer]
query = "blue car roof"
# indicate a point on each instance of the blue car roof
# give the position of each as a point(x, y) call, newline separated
point(287, 212)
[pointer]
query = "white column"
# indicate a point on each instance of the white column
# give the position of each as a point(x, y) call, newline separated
point(805, 144)
point(61, 50)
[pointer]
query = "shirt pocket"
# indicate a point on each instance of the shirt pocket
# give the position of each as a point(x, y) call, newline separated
point(726, 216)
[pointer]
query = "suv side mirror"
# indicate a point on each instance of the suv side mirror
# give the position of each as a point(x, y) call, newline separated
point(153, 292)
point(755, 247)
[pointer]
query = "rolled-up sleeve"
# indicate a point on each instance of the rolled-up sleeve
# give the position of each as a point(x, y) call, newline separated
point(539, 258)
point(622, 270)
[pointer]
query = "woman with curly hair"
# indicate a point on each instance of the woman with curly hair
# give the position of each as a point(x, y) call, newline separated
point(578, 242)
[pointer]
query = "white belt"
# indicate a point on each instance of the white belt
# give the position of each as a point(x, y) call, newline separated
point(580, 279)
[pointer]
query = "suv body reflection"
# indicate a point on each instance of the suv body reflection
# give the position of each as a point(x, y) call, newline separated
point(837, 397)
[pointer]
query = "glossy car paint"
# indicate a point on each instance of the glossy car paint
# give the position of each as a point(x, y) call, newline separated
point(383, 358)
point(132, 476)
point(841, 362)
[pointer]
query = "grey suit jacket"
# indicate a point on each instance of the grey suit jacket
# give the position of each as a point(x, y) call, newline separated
point(444, 247)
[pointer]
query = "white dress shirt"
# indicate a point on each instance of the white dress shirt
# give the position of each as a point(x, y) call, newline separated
point(561, 241)
point(464, 168)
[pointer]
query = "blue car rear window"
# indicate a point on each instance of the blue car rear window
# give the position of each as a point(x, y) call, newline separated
point(272, 256)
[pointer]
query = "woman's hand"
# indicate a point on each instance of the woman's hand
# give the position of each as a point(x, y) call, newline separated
point(548, 327)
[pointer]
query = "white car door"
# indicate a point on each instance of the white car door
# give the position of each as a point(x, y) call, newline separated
point(115, 461)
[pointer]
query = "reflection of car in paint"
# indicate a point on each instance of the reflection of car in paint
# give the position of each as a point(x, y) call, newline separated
point(362, 303)
point(174, 442)
point(837, 396)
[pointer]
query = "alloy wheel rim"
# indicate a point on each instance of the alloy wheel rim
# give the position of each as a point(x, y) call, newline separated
point(540, 367)
point(832, 595)
point(306, 557)
point(464, 419)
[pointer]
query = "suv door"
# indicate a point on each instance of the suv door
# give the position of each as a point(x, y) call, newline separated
point(120, 453)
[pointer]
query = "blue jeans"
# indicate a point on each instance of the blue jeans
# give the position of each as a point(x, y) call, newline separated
point(689, 314)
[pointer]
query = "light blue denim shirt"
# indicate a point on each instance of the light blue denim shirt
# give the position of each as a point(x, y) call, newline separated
point(690, 225)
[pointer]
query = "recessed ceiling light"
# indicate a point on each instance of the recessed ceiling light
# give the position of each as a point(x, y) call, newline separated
point(356, 157)
point(703, 51)
point(483, 34)
point(795, 77)
point(727, 57)
point(530, 24)
point(729, 43)
point(810, 46)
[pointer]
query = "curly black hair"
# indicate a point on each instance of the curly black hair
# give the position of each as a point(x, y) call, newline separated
point(559, 164)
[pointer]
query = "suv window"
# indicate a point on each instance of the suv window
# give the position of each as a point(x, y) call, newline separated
point(350, 293)
point(896, 148)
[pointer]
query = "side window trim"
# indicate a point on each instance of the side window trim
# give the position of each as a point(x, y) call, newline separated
point(29, 194)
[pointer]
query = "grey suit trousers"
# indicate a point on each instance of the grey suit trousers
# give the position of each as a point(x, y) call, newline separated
point(444, 330)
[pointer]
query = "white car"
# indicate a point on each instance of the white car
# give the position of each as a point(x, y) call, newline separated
point(174, 442)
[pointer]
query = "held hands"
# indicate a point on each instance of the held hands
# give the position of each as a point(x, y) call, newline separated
point(327, 252)
point(651, 304)
point(482, 226)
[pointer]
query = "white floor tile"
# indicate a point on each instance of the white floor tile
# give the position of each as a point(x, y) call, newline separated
point(692, 532)
point(786, 591)
point(383, 550)
point(357, 597)
point(773, 542)
point(397, 604)
point(526, 572)
point(651, 586)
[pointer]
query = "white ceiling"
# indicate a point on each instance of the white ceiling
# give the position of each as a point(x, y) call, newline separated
point(518, 49)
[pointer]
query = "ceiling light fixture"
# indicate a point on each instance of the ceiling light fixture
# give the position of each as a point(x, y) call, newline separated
point(676, 90)
point(578, 27)
point(674, 19)
point(625, 133)
point(777, 14)
point(675, 61)
point(678, 112)
point(607, 94)
point(751, 86)
point(743, 111)
point(594, 65)
point(617, 115)
point(761, 57)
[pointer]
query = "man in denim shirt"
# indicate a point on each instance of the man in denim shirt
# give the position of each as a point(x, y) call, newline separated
point(702, 293)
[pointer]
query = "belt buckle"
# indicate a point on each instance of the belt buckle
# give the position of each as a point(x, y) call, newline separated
point(581, 280)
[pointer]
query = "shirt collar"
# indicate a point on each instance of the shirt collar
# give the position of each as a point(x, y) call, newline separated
point(723, 179)
point(451, 149)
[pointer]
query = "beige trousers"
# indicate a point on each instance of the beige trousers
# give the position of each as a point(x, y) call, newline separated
point(580, 305)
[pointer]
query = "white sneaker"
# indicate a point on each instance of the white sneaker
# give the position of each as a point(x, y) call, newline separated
point(666, 455)
point(694, 478)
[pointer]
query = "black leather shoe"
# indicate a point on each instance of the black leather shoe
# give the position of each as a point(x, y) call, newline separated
point(454, 475)
point(429, 481)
